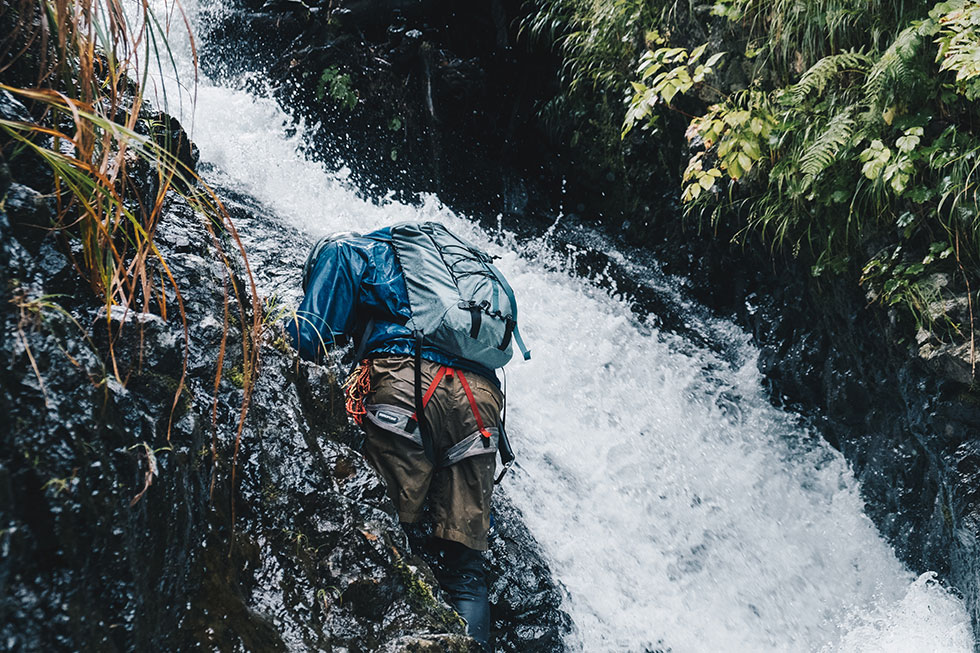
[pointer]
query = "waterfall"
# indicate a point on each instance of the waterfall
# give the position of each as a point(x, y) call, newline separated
point(679, 508)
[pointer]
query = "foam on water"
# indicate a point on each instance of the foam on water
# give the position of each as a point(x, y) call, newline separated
point(676, 505)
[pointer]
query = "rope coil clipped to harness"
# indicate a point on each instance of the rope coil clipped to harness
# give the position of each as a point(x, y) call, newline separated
point(356, 389)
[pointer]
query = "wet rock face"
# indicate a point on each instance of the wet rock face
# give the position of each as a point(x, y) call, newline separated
point(525, 603)
point(124, 524)
point(419, 97)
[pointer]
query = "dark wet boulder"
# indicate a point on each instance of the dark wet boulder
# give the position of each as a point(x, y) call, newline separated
point(417, 96)
point(525, 600)
point(127, 525)
point(138, 513)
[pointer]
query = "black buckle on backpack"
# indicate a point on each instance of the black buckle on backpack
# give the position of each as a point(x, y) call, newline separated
point(476, 316)
point(508, 332)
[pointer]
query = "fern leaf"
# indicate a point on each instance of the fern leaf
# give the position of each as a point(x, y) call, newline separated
point(892, 70)
point(820, 155)
point(821, 73)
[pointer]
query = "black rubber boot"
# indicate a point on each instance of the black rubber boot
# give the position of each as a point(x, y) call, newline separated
point(477, 617)
point(464, 581)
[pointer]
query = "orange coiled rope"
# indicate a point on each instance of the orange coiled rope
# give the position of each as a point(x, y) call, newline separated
point(356, 388)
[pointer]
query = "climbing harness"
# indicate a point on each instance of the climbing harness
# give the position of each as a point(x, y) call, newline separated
point(446, 371)
point(406, 423)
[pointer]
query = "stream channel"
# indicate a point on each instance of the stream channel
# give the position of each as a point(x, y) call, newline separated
point(680, 510)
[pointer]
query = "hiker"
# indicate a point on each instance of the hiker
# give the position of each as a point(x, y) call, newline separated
point(431, 317)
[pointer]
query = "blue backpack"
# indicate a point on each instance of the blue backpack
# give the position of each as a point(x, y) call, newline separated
point(461, 303)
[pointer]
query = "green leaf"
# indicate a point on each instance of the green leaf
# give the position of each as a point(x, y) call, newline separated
point(692, 192)
point(744, 161)
point(907, 143)
point(905, 219)
point(713, 59)
point(736, 118)
point(735, 171)
point(921, 194)
point(751, 147)
point(915, 269)
point(898, 182)
point(652, 69)
point(697, 52)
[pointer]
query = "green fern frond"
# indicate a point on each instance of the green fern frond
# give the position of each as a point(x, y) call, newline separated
point(821, 154)
point(893, 70)
point(815, 79)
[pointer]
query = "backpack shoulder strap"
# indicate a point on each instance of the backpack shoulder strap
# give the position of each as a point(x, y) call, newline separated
point(525, 352)
point(423, 424)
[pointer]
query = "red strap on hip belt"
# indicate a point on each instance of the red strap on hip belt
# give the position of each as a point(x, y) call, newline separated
point(476, 412)
point(444, 371)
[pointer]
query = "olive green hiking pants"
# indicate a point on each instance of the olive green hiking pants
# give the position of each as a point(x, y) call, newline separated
point(458, 485)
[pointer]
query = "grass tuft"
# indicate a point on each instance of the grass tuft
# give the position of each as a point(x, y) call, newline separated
point(82, 67)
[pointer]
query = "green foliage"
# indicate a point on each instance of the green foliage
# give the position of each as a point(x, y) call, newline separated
point(871, 141)
point(337, 86)
point(894, 278)
point(794, 34)
point(959, 45)
point(821, 153)
point(819, 76)
point(598, 43)
point(664, 74)
point(899, 71)
point(857, 122)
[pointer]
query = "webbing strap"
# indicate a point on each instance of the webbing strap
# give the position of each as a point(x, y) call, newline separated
point(476, 411)
point(475, 320)
point(443, 371)
point(520, 344)
point(420, 405)
point(506, 287)
point(513, 302)
point(508, 331)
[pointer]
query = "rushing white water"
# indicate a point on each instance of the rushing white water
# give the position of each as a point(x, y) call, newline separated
point(679, 508)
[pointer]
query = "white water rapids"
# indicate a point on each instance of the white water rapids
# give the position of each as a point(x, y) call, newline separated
point(679, 508)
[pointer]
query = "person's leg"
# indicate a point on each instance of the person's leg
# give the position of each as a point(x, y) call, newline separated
point(459, 501)
point(462, 577)
point(460, 494)
point(397, 458)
